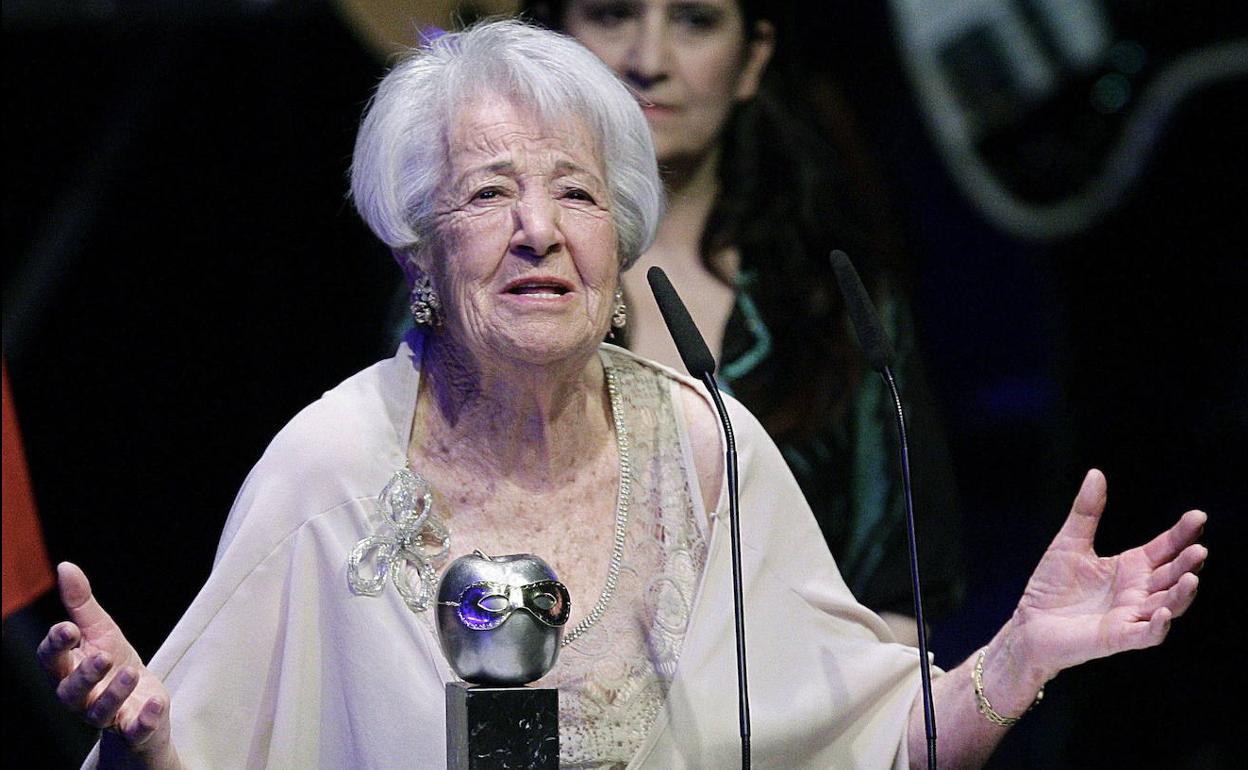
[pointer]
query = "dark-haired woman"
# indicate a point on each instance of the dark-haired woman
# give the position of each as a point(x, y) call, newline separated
point(755, 204)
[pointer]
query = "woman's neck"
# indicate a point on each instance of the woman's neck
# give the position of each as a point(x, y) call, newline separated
point(692, 188)
point(692, 184)
point(525, 422)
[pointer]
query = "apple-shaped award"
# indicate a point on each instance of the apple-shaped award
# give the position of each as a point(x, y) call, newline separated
point(500, 623)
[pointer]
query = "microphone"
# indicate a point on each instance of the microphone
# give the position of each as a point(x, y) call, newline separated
point(701, 365)
point(871, 337)
point(879, 354)
point(689, 343)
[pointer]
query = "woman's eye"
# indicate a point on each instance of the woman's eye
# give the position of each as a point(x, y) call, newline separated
point(696, 18)
point(610, 14)
point(577, 194)
point(487, 194)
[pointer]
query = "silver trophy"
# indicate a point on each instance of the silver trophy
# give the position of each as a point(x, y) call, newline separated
point(501, 618)
point(500, 623)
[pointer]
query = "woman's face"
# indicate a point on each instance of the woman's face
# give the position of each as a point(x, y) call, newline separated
point(690, 58)
point(524, 255)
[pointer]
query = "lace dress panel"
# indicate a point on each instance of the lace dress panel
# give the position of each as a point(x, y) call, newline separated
point(614, 679)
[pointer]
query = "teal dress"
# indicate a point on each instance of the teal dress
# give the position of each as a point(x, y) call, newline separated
point(847, 466)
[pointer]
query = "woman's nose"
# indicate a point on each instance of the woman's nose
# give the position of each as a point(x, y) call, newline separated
point(647, 61)
point(537, 232)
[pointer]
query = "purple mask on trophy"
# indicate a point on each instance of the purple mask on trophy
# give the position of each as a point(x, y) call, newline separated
point(486, 605)
point(500, 619)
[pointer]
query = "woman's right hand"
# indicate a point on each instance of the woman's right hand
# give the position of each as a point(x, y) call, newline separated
point(100, 676)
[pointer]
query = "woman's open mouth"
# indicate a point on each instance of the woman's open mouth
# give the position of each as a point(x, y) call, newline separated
point(538, 288)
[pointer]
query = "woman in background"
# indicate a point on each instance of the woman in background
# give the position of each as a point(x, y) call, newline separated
point(755, 205)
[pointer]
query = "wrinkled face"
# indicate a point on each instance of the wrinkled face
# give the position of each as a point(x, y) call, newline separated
point(690, 58)
point(525, 253)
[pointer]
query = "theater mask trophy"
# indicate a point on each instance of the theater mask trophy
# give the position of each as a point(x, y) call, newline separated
point(500, 624)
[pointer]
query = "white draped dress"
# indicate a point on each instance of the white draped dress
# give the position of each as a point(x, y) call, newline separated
point(278, 664)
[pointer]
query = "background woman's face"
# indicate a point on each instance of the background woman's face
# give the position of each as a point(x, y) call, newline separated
point(690, 58)
point(525, 255)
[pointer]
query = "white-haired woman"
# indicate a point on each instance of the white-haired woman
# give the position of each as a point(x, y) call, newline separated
point(514, 179)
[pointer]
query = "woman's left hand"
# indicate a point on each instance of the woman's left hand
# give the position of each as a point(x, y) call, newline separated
point(1079, 606)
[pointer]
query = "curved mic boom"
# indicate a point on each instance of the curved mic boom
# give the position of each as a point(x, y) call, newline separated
point(879, 353)
point(701, 364)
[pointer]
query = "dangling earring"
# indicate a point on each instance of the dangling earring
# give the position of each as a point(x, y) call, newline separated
point(426, 307)
point(619, 319)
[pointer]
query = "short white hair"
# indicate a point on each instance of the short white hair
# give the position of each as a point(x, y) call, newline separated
point(401, 152)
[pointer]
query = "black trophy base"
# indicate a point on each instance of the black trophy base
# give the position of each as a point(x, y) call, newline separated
point(501, 728)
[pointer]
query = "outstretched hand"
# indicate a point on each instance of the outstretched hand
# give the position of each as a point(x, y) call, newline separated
point(100, 676)
point(1079, 606)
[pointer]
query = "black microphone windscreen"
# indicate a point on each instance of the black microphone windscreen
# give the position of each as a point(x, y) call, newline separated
point(689, 343)
point(871, 337)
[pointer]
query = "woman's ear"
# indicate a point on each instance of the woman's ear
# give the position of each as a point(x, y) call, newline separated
point(758, 53)
point(411, 262)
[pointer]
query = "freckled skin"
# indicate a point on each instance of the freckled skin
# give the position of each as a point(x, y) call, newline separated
point(523, 199)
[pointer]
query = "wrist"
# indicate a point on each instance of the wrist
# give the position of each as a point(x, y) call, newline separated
point(1007, 674)
point(984, 704)
point(1017, 649)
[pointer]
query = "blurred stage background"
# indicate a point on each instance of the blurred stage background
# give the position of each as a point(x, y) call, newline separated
point(183, 273)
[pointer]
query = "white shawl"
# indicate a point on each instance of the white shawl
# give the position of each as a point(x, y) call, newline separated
point(276, 664)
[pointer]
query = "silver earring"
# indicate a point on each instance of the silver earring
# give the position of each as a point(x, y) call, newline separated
point(426, 307)
point(619, 319)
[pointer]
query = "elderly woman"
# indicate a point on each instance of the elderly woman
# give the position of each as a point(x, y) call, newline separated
point(514, 178)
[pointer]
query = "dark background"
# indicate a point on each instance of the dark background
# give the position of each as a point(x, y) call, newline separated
point(183, 273)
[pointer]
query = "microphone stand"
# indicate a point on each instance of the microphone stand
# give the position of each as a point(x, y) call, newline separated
point(879, 354)
point(734, 528)
point(925, 670)
point(701, 365)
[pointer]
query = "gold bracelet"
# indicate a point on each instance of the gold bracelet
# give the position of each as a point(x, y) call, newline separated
point(985, 708)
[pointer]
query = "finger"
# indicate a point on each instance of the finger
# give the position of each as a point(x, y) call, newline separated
point(1176, 599)
point(103, 710)
point(76, 595)
point(1085, 514)
point(1163, 548)
point(1158, 627)
point(139, 730)
point(1145, 633)
point(74, 689)
point(57, 653)
point(1191, 559)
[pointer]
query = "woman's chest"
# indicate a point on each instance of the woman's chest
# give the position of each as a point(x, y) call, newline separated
point(571, 527)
